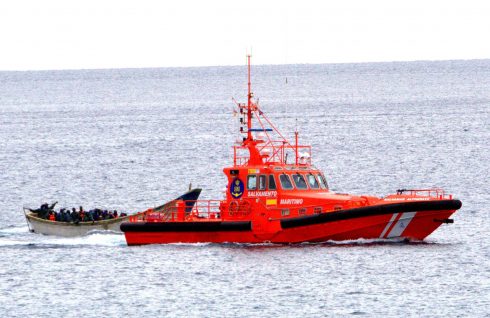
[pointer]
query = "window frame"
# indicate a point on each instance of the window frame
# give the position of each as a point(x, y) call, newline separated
point(316, 180)
point(322, 180)
point(289, 179)
point(265, 182)
point(271, 176)
point(248, 182)
point(296, 184)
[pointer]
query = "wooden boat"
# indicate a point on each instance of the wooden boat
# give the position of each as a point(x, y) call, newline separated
point(70, 229)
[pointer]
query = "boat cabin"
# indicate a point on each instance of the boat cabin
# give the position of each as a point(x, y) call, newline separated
point(267, 182)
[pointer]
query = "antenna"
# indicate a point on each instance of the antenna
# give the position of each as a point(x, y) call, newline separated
point(274, 146)
point(296, 141)
point(249, 103)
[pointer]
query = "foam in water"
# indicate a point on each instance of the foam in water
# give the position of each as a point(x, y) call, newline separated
point(14, 229)
point(20, 235)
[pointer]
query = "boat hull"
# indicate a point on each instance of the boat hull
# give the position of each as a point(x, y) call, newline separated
point(67, 229)
point(410, 220)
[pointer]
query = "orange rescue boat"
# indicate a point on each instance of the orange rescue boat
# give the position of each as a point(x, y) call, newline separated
point(269, 199)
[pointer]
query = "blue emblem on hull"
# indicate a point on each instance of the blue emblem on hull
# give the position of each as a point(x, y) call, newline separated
point(236, 188)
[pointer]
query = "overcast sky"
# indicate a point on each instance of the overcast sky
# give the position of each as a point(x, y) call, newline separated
point(62, 34)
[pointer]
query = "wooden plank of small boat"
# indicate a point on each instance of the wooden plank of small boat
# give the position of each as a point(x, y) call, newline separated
point(70, 229)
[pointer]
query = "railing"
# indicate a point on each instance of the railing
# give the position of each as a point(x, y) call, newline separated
point(179, 211)
point(207, 208)
point(211, 210)
point(274, 151)
point(431, 193)
point(240, 160)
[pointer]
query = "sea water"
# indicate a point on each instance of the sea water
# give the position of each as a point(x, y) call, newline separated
point(129, 139)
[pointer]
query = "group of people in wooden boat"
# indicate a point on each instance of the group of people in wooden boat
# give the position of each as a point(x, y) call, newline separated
point(46, 211)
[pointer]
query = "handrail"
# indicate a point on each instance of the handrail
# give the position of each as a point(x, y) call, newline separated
point(431, 193)
point(209, 210)
point(273, 151)
point(177, 211)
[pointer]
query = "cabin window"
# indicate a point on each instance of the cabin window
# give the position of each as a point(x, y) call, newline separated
point(302, 211)
point(252, 182)
point(323, 182)
point(299, 181)
point(312, 181)
point(285, 212)
point(262, 180)
point(272, 182)
point(285, 182)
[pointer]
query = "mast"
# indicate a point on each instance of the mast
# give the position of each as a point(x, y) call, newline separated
point(249, 103)
point(264, 148)
point(249, 142)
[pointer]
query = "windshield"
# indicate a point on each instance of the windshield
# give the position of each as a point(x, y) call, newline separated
point(312, 181)
point(272, 182)
point(262, 179)
point(323, 182)
point(252, 182)
point(299, 181)
point(285, 182)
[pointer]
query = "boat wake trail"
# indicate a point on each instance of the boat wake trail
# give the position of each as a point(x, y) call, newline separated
point(13, 230)
point(346, 243)
point(19, 236)
point(93, 239)
point(357, 242)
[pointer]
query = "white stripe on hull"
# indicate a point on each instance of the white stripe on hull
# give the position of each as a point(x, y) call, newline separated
point(402, 224)
point(388, 225)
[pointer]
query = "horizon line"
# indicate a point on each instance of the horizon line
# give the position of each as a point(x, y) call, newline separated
point(238, 65)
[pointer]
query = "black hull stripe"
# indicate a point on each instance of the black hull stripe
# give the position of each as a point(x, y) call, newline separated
point(417, 206)
point(230, 226)
point(186, 226)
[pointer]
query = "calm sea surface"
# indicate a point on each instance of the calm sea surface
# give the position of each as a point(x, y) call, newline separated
point(135, 138)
